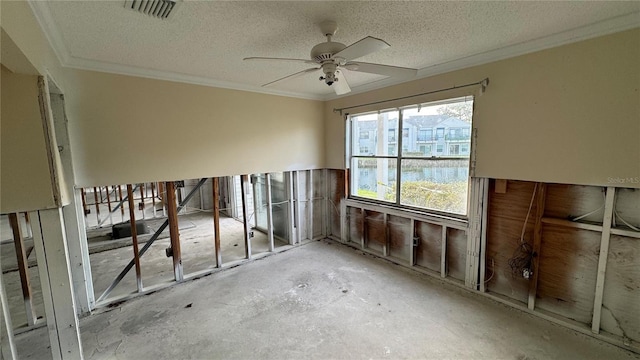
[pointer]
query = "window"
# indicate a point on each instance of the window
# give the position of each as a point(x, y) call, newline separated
point(419, 175)
point(454, 149)
point(424, 134)
point(392, 135)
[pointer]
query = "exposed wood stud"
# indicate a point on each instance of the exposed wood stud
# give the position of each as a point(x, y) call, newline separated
point(244, 180)
point(109, 203)
point(153, 198)
point(537, 244)
point(443, 254)
point(173, 230)
point(412, 245)
point(292, 212)
point(483, 235)
point(269, 212)
point(27, 223)
point(310, 201)
point(385, 248)
point(85, 208)
point(141, 206)
point(49, 241)
point(97, 204)
point(23, 268)
point(7, 343)
point(363, 227)
point(216, 220)
point(121, 207)
point(501, 186)
point(602, 259)
point(134, 237)
point(298, 208)
point(571, 224)
point(325, 205)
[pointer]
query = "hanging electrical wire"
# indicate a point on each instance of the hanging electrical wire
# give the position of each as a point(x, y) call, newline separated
point(521, 262)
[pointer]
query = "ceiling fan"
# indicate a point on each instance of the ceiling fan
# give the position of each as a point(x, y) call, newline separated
point(333, 57)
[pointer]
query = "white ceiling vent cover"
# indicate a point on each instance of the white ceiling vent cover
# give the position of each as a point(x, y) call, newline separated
point(162, 9)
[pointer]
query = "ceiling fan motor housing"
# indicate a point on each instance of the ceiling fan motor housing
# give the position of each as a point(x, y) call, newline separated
point(324, 51)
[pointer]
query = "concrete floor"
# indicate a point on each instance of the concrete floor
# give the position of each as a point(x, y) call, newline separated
point(321, 300)
point(196, 233)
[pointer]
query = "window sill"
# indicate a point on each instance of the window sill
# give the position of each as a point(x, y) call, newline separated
point(457, 222)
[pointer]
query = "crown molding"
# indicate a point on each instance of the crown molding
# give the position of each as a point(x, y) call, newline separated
point(45, 20)
point(119, 69)
point(605, 27)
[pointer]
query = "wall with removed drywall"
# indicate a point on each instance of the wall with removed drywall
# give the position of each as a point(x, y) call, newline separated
point(569, 114)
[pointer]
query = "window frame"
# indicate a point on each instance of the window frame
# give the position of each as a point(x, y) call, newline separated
point(398, 157)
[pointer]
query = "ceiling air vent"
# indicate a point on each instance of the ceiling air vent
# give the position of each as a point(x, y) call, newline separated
point(161, 9)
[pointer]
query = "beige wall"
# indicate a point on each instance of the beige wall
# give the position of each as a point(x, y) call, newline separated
point(120, 133)
point(569, 114)
point(128, 129)
point(25, 182)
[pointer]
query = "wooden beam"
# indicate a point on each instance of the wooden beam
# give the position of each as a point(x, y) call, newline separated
point(121, 207)
point(443, 253)
point(85, 209)
point(153, 198)
point(501, 186)
point(216, 220)
point(142, 199)
point(537, 244)
point(602, 259)
point(134, 237)
point(363, 225)
point(7, 343)
point(109, 202)
point(571, 224)
point(269, 212)
point(172, 215)
point(49, 240)
point(244, 180)
point(310, 205)
point(385, 248)
point(23, 268)
point(483, 235)
point(292, 209)
point(412, 247)
point(95, 199)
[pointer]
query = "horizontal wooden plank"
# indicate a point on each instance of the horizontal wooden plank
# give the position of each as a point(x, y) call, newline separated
point(571, 224)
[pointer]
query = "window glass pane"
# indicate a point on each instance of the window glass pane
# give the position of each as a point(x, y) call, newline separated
point(374, 178)
point(375, 134)
point(439, 130)
point(435, 184)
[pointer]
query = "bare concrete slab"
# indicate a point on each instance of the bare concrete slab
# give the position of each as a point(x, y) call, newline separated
point(321, 300)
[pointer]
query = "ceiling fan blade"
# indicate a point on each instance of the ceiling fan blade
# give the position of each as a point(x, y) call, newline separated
point(386, 70)
point(341, 86)
point(280, 59)
point(361, 48)
point(293, 75)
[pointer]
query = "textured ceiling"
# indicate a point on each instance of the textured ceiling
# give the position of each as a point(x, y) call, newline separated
point(209, 39)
